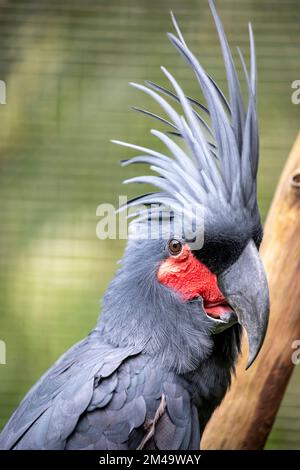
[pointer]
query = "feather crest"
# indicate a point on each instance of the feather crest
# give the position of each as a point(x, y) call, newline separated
point(217, 166)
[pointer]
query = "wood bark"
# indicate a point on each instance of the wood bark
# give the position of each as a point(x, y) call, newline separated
point(246, 416)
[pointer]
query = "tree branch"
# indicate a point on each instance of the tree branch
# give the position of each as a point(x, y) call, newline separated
point(245, 418)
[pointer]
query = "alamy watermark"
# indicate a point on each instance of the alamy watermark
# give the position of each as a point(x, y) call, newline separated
point(151, 222)
point(296, 354)
point(2, 352)
point(2, 92)
point(295, 97)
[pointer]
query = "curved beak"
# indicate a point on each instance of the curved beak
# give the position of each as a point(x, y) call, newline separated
point(245, 287)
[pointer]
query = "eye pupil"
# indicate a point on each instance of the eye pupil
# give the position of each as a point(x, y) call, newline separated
point(175, 247)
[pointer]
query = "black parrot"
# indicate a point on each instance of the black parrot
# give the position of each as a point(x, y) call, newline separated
point(160, 359)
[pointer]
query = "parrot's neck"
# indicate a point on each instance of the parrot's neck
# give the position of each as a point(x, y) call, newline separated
point(211, 380)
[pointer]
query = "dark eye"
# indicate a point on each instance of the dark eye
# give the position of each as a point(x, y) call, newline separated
point(175, 247)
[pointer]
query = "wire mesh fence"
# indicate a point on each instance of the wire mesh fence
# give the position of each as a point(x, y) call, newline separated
point(66, 65)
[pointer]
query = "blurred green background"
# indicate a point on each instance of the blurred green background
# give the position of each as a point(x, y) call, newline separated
point(66, 65)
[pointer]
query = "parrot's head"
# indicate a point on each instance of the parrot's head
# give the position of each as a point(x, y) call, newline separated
point(229, 281)
point(191, 273)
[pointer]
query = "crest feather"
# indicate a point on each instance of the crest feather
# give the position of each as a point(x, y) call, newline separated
point(217, 165)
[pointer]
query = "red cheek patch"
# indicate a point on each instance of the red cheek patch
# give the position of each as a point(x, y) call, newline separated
point(186, 275)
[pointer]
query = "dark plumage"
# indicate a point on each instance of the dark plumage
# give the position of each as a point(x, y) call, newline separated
point(159, 362)
point(98, 396)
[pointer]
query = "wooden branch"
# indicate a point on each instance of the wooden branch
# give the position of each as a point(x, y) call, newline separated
point(246, 416)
